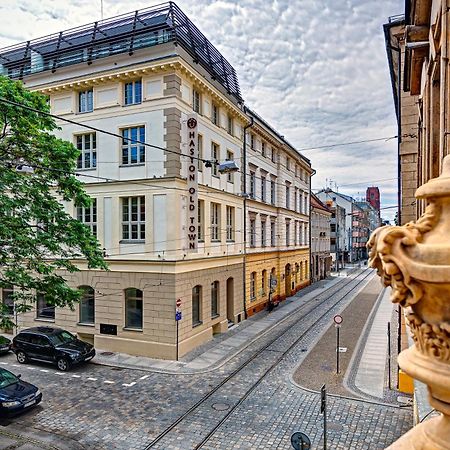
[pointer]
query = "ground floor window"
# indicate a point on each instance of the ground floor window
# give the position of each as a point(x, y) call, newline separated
point(196, 305)
point(44, 309)
point(133, 308)
point(87, 305)
point(215, 299)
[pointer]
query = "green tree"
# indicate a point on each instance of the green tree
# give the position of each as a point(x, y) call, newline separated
point(39, 241)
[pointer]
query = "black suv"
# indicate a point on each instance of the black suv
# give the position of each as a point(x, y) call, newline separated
point(51, 345)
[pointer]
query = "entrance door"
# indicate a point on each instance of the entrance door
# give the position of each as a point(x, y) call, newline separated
point(287, 280)
point(230, 299)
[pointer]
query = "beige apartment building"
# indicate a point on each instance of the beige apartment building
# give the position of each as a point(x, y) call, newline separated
point(278, 187)
point(172, 226)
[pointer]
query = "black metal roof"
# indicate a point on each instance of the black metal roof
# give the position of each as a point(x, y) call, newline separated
point(121, 34)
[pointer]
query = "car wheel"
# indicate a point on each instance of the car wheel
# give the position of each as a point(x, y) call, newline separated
point(21, 357)
point(62, 364)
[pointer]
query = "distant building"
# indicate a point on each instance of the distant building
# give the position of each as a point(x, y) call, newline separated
point(332, 198)
point(373, 197)
point(320, 239)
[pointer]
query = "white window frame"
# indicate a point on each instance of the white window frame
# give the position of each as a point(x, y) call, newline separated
point(129, 146)
point(230, 175)
point(90, 153)
point(263, 233)
point(215, 222)
point(263, 188)
point(196, 101)
point(252, 233)
point(130, 225)
point(230, 216)
point(86, 101)
point(136, 92)
point(215, 157)
point(88, 216)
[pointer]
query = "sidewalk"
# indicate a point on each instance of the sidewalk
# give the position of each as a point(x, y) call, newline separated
point(370, 374)
point(220, 349)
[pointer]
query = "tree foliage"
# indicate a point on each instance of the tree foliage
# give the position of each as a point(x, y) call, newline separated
point(39, 241)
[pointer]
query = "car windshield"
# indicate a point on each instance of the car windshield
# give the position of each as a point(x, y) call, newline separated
point(61, 338)
point(7, 378)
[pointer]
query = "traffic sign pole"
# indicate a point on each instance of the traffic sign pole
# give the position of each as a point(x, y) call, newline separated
point(177, 320)
point(337, 349)
point(337, 323)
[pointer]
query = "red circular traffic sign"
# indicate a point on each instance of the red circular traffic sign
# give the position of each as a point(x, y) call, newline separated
point(338, 319)
point(178, 302)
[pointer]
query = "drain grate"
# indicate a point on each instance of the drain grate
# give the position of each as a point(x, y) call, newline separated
point(220, 406)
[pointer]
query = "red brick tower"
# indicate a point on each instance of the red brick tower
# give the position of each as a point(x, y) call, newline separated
point(373, 197)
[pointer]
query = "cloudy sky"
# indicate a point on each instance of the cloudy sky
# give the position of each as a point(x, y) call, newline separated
point(316, 70)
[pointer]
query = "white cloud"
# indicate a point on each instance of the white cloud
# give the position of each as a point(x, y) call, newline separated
point(317, 71)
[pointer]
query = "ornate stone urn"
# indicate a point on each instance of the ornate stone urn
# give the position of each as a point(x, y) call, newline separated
point(414, 260)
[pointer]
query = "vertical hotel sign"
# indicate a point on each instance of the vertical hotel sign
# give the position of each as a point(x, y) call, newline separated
point(192, 183)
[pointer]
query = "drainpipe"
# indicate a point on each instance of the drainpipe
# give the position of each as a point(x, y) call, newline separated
point(244, 194)
point(309, 232)
point(443, 76)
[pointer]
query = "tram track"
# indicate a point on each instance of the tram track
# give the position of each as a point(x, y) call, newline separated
point(272, 356)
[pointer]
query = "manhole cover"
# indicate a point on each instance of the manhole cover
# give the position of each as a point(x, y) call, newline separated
point(107, 353)
point(220, 406)
point(334, 426)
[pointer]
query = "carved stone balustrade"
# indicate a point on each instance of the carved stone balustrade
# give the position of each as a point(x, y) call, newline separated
point(414, 260)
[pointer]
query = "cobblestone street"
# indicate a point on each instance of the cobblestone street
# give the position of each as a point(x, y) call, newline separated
point(102, 407)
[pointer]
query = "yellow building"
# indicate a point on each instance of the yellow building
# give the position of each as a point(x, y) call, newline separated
point(277, 262)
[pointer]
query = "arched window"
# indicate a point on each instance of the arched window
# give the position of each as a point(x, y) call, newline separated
point(264, 282)
point(301, 271)
point(215, 299)
point(87, 305)
point(133, 308)
point(196, 305)
point(253, 286)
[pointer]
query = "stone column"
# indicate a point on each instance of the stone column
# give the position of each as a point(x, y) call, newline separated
point(414, 260)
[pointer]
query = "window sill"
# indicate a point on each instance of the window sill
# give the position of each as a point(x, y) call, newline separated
point(132, 165)
point(231, 241)
point(201, 241)
point(132, 104)
point(85, 169)
point(138, 330)
point(252, 299)
point(215, 316)
point(216, 176)
point(41, 319)
point(132, 241)
point(195, 325)
point(82, 324)
point(216, 240)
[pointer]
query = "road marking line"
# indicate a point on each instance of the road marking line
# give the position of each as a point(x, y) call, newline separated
point(60, 373)
point(30, 368)
point(129, 384)
point(144, 377)
point(76, 376)
point(44, 370)
point(15, 365)
point(4, 363)
point(109, 382)
point(92, 379)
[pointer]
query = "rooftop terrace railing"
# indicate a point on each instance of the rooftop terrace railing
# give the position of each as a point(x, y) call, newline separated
point(118, 35)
